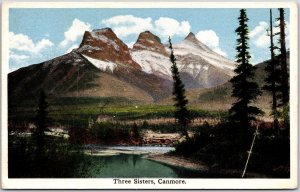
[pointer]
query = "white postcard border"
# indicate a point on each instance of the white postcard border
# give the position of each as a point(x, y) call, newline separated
point(191, 183)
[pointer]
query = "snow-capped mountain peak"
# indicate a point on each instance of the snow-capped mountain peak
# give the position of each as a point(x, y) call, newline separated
point(192, 46)
point(104, 45)
point(191, 37)
point(149, 41)
point(196, 61)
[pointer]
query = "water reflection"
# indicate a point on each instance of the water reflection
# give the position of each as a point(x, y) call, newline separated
point(135, 158)
point(130, 165)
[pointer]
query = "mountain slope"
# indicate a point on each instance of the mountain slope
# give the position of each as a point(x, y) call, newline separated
point(73, 75)
point(199, 66)
point(191, 45)
point(103, 65)
point(90, 71)
point(219, 97)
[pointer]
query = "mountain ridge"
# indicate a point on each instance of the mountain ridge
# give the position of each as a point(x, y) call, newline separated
point(145, 68)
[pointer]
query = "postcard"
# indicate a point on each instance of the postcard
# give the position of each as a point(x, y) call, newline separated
point(149, 95)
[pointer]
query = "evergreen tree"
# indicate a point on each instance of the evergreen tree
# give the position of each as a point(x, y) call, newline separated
point(273, 73)
point(41, 122)
point(181, 113)
point(283, 59)
point(244, 88)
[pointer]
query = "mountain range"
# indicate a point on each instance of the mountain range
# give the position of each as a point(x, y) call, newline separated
point(104, 66)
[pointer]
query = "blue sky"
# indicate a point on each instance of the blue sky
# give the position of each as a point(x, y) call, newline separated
point(37, 35)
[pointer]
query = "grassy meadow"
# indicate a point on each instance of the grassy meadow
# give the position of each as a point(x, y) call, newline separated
point(78, 111)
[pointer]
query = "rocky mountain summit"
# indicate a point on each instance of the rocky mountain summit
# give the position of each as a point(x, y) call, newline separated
point(104, 45)
point(104, 66)
point(150, 42)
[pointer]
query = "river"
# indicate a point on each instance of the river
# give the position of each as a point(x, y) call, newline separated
point(132, 162)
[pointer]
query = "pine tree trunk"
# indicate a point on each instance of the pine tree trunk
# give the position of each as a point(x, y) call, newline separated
point(283, 60)
point(274, 98)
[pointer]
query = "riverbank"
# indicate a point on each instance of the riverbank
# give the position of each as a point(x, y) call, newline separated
point(178, 161)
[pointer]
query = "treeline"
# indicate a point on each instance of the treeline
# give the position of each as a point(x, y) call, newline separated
point(227, 145)
point(41, 155)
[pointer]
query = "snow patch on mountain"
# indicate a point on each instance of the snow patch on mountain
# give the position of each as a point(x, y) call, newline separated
point(186, 47)
point(152, 62)
point(102, 65)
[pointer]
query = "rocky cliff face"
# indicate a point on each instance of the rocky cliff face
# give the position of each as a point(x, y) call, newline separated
point(104, 45)
point(149, 42)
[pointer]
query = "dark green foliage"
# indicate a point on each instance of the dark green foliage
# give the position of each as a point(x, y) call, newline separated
point(193, 144)
point(284, 75)
point(41, 123)
point(271, 155)
point(65, 101)
point(217, 147)
point(181, 113)
point(60, 159)
point(244, 87)
point(277, 80)
point(42, 115)
point(41, 156)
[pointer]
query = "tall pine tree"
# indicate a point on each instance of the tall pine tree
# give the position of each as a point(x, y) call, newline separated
point(244, 88)
point(272, 80)
point(41, 122)
point(284, 102)
point(283, 59)
point(181, 113)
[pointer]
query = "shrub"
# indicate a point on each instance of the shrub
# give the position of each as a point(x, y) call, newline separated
point(60, 159)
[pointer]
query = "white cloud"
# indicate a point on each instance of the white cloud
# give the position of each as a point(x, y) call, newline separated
point(75, 31)
point(125, 25)
point(262, 41)
point(259, 29)
point(259, 35)
point(208, 37)
point(18, 58)
point(211, 39)
point(260, 38)
point(21, 42)
point(22, 49)
point(43, 44)
point(166, 27)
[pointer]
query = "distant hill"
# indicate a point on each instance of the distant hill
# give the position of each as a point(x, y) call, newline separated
point(219, 97)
